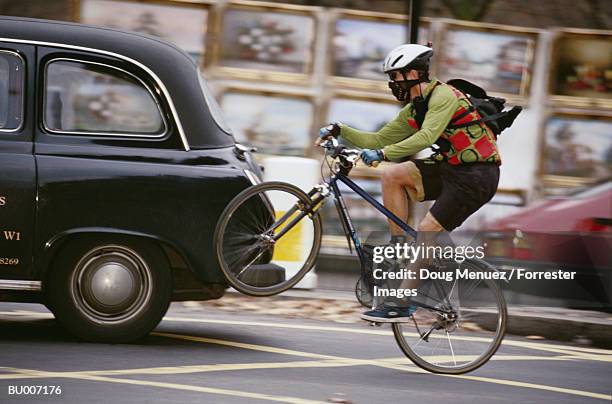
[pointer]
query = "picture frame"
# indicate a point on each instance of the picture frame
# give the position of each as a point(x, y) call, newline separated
point(360, 40)
point(276, 123)
point(265, 41)
point(576, 149)
point(184, 23)
point(581, 68)
point(355, 109)
point(500, 57)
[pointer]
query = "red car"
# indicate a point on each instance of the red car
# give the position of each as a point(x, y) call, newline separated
point(571, 233)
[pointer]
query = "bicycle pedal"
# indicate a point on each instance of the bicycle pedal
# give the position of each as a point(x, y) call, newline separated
point(375, 324)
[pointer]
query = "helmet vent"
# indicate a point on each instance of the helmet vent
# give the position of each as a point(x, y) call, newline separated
point(396, 60)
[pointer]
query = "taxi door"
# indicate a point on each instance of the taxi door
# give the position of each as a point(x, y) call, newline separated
point(17, 168)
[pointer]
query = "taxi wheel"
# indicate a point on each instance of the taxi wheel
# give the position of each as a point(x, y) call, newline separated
point(109, 289)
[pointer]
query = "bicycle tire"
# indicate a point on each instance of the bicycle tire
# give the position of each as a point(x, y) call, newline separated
point(501, 322)
point(222, 224)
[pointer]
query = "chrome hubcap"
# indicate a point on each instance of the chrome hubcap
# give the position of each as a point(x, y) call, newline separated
point(111, 284)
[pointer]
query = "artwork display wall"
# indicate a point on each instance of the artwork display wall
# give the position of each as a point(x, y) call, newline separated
point(281, 90)
point(498, 60)
point(181, 23)
point(274, 123)
point(582, 68)
point(266, 39)
point(577, 147)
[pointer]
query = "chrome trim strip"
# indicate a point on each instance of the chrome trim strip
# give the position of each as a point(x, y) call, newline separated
point(12, 284)
point(105, 134)
point(23, 95)
point(119, 56)
point(252, 177)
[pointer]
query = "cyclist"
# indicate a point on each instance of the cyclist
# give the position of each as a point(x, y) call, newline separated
point(460, 179)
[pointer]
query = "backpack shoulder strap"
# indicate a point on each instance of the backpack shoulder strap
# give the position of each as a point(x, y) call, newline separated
point(421, 106)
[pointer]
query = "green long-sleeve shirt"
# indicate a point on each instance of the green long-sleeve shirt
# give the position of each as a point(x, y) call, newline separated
point(400, 137)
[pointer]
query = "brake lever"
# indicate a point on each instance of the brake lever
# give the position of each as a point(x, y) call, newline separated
point(330, 144)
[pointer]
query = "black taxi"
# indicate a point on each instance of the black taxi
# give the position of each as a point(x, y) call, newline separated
point(115, 164)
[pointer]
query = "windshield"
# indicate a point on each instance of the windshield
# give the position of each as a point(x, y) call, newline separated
point(593, 190)
point(213, 106)
point(585, 191)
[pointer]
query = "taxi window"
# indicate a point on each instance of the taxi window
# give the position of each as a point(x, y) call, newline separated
point(90, 98)
point(11, 91)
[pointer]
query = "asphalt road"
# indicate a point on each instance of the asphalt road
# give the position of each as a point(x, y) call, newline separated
point(197, 355)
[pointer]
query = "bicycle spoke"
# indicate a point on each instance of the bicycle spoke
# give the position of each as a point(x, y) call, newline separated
point(249, 264)
point(422, 337)
point(252, 259)
point(451, 347)
point(472, 288)
point(457, 347)
point(244, 255)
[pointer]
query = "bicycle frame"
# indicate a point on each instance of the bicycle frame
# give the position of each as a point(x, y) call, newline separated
point(319, 193)
point(330, 187)
point(346, 218)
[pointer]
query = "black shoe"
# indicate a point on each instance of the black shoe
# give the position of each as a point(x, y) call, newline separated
point(389, 314)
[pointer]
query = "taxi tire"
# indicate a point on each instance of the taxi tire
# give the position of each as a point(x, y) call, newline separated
point(62, 295)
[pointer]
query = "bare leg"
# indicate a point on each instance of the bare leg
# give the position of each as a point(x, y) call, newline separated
point(396, 180)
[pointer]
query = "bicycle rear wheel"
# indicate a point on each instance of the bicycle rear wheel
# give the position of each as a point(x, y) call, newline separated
point(443, 336)
point(267, 238)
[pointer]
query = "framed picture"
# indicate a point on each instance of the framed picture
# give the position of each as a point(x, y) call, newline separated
point(577, 149)
point(261, 40)
point(360, 42)
point(581, 68)
point(275, 123)
point(183, 23)
point(363, 113)
point(497, 58)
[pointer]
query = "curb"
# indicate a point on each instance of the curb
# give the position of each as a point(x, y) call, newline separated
point(585, 331)
point(554, 323)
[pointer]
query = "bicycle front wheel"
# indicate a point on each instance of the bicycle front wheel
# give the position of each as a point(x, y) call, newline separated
point(460, 322)
point(268, 238)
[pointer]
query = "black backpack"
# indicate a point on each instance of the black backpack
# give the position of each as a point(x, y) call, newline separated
point(491, 110)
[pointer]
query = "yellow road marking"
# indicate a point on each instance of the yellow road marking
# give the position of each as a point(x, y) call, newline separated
point(577, 354)
point(381, 363)
point(513, 383)
point(221, 367)
point(339, 362)
point(252, 347)
point(562, 349)
point(177, 386)
point(174, 370)
point(496, 357)
point(225, 367)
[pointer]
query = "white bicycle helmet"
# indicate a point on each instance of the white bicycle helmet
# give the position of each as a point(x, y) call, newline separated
point(408, 56)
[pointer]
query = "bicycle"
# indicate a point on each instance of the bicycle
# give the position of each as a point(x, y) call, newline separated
point(268, 238)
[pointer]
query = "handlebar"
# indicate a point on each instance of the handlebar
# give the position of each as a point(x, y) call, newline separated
point(335, 149)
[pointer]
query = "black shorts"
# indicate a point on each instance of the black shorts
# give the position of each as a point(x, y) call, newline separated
point(459, 190)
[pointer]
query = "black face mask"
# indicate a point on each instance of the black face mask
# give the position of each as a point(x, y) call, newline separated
point(401, 89)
